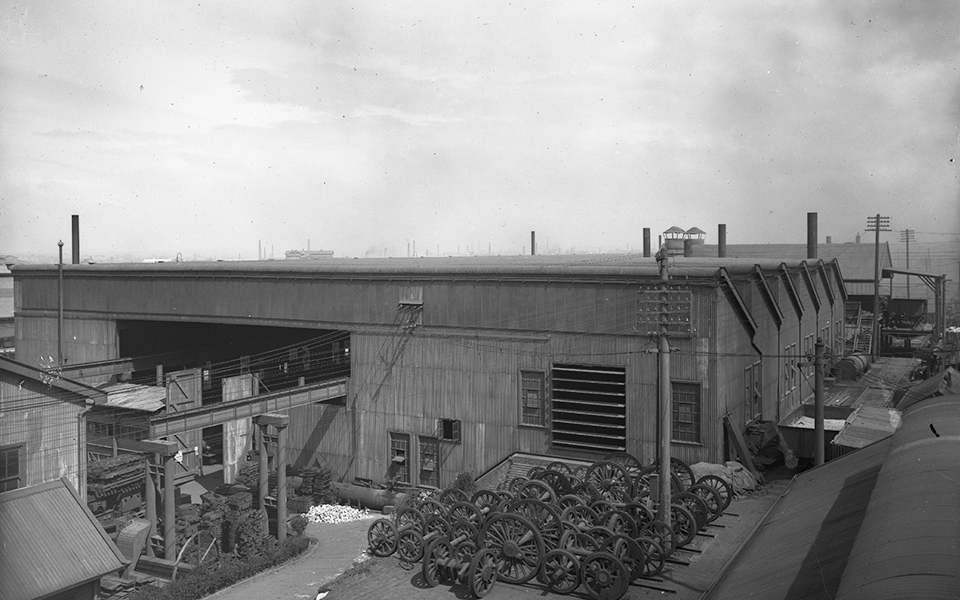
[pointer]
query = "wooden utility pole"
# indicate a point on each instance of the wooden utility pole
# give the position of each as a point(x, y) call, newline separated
point(877, 224)
point(907, 236)
point(818, 437)
point(665, 392)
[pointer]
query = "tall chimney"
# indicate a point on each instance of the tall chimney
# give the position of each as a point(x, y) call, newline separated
point(646, 242)
point(76, 239)
point(533, 243)
point(688, 247)
point(811, 235)
point(829, 240)
point(722, 240)
point(858, 238)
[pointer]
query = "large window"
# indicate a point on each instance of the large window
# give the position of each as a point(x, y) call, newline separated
point(429, 463)
point(789, 368)
point(9, 468)
point(686, 412)
point(753, 390)
point(589, 407)
point(533, 398)
point(808, 349)
point(400, 456)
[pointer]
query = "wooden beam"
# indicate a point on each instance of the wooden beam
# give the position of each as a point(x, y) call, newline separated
point(741, 446)
point(217, 414)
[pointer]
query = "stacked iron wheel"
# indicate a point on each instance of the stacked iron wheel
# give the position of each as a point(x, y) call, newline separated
point(591, 527)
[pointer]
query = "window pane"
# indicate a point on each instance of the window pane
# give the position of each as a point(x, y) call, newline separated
point(686, 412)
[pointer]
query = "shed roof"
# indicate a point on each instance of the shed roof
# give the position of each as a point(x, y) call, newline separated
point(880, 522)
point(51, 542)
point(134, 396)
point(866, 425)
point(943, 383)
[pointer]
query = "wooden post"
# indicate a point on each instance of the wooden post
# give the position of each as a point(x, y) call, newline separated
point(665, 392)
point(169, 508)
point(818, 437)
point(281, 483)
point(151, 503)
point(262, 488)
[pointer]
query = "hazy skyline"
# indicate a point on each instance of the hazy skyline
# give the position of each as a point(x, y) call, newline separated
point(203, 128)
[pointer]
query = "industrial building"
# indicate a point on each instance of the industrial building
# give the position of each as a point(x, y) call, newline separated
point(412, 370)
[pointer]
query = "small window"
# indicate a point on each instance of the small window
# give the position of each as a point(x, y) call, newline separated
point(686, 412)
point(9, 468)
point(449, 430)
point(753, 390)
point(532, 399)
point(429, 464)
point(400, 457)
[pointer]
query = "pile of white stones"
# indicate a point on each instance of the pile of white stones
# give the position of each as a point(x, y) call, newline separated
point(335, 513)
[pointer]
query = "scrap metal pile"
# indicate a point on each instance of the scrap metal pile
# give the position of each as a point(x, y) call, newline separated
point(592, 526)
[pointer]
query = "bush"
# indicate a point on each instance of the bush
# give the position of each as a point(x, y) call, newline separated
point(210, 577)
point(466, 483)
point(298, 524)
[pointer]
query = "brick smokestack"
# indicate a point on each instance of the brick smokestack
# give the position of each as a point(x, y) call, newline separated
point(76, 239)
point(722, 240)
point(811, 235)
point(646, 242)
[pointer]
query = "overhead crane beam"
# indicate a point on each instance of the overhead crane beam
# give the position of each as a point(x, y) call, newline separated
point(224, 412)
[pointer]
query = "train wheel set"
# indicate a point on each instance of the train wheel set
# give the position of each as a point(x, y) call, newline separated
point(569, 528)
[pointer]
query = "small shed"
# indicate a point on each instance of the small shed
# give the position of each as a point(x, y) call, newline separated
point(52, 545)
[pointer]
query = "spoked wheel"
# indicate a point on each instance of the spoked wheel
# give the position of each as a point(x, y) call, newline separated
point(643, 479)
point(436, 527)
point(438, 552)
point(430, 508)
point(464, 552)
point(684, 524)
point(409, 518)
point(561, 467)
point(538, 490)
point(382, 537)
point(654, 557)
point(604, 576)
point(606, 475)
point(619, 521)
point(581, 517)
point(628, 551)
point(453, 495)
point(579, 543)
point(682, 470)
point(516, 544)
point(640, 513)
point(662, 534)
point(696, 506)
point(486, 500)
point(544, 517)
point(628, 461)
point(565, 502)
point(722, 486)
point(482, 572)
point(410, 545)
point(464, 511)
point(560, 571)
point(711, 499)
point(557, 481)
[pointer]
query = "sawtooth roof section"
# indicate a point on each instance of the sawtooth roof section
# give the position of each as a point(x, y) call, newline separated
point(811, 286)
point(768, 296)
point(791, 290)
point(51, 542)
point(880, 522)
point(738, 304)
point(822, 271)
point(857, 259)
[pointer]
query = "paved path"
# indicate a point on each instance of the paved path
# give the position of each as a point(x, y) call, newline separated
point(338, 546)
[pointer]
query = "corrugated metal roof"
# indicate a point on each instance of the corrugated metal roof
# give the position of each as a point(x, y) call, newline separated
point(572, 265)
point(880, 522)
point(909, 542)
point(133, 396)
point(944, 383)
point(866, 425)
point(51, 542)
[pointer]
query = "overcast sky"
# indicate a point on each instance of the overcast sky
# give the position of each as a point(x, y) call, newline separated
point(203, 127)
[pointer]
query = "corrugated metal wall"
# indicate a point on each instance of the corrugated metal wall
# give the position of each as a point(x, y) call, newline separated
point(33, 417)
point(84, 340)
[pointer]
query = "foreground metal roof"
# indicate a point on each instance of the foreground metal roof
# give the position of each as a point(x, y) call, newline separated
point(50, 542)
point(880, 522)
